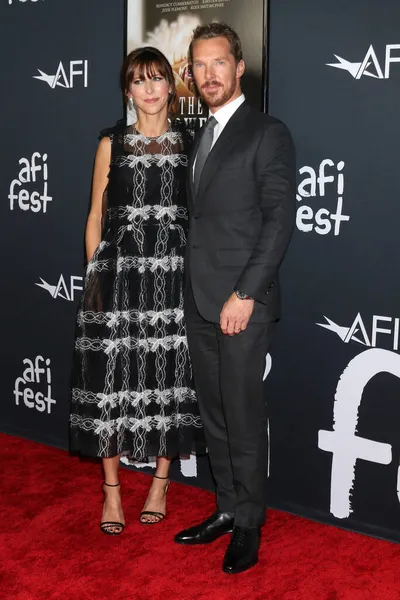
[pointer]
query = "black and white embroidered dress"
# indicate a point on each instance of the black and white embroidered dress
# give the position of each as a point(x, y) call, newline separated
point(132, 380)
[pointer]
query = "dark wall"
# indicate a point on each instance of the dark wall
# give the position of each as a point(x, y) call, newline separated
point(337, 347)
point(325, 358)
point(42, 241)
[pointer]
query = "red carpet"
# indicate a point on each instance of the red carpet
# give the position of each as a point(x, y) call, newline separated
point(51, 546)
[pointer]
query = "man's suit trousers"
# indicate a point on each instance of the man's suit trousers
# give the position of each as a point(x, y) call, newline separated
point(228, 373)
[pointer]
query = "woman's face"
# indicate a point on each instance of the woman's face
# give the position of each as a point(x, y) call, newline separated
point(149, 94)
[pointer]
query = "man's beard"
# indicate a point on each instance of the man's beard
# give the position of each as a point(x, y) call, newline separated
point(215, 99)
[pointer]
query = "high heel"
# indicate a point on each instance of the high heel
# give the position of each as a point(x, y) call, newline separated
point(111, 527)
point(158, 515)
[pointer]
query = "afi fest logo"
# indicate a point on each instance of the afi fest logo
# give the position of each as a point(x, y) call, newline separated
point(61, 289)
point(343, 441)
point(325, 183)
point(357, 332)
point(34, 170)
point(37, 374)
point(22, 1)
point(369, 66)
point(65, 76)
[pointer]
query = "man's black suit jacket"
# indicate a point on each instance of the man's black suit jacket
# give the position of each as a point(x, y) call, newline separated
point(241, 217)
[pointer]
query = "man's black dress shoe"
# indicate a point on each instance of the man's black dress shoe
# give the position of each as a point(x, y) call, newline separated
point(208, 531)
point(242, 552)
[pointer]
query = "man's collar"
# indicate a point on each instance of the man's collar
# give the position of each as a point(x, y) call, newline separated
point(225, 113)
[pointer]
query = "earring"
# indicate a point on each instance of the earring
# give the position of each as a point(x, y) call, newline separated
point(130, 104)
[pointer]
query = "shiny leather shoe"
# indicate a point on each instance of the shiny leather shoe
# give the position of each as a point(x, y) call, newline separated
point(208, 531)
point(242, 552)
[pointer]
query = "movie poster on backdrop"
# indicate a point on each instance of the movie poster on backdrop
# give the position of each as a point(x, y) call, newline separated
point(169, 26)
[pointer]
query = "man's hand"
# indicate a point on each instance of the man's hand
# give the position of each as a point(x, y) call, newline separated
point(235, 315)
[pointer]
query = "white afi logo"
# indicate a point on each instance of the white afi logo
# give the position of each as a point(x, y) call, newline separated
point(36, 374)
point(188, 466)
point(357, 332)
point(61, 289)
point(343, 442)
point(318, 183)
point(369, 66)
point(35, 201)
point(24, 1)
point(268, 367)
point(65, 77)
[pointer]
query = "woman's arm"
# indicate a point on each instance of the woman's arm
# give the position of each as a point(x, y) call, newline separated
point(100, 182)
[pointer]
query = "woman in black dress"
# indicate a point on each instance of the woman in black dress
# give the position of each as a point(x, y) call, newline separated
point(132, 385)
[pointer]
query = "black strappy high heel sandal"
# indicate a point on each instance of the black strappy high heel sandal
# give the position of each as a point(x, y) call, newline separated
point(159, 515)
point(116, 526)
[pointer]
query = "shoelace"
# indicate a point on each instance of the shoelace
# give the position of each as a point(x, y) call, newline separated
point(238, 537)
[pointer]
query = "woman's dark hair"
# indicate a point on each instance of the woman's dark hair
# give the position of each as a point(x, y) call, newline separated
point(213, 30)
point(148, 62)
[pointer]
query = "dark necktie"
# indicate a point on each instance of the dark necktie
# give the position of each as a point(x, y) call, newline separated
point(204, 150)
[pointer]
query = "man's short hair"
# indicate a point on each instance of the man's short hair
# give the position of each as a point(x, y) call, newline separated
point(213, 30)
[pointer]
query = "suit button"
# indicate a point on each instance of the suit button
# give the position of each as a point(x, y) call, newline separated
point(196, 216)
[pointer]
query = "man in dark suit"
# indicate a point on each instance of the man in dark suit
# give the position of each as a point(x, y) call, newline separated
point(241, 190)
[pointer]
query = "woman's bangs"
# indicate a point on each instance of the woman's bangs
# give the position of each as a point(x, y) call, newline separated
point(147, 68)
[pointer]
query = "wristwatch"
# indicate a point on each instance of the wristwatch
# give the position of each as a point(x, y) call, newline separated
point(242, 295)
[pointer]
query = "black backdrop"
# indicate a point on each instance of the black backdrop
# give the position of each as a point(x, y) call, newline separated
point(333, 390)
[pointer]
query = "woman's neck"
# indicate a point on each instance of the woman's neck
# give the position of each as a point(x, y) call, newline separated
point(152, 125)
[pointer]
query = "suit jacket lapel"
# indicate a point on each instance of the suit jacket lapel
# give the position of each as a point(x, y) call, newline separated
point(220, 150)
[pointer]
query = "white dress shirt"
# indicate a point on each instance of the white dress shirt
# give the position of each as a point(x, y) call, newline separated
point(223, 115)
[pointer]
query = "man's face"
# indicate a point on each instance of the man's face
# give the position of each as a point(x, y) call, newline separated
point(215, 71)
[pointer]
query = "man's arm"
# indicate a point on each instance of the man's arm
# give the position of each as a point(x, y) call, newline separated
point(276, 182)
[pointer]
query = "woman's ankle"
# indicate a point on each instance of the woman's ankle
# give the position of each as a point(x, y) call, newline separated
point(161, 477)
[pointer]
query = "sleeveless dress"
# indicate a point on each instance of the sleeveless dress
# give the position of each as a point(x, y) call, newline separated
point(132, 388)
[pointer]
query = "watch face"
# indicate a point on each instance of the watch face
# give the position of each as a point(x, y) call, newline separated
point(241, 295)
